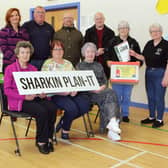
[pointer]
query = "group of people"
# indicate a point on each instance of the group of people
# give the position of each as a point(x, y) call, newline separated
point(36, 46)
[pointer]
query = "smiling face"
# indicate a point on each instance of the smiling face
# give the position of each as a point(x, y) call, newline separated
point(68, 20)
point(24, 55)
point(123, 31)
point(155, 33)
point(89, 54)
point(14, 18)
point(57, 52)
point(99, 20)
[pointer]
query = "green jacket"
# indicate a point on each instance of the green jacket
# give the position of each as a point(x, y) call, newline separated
point(73, 41)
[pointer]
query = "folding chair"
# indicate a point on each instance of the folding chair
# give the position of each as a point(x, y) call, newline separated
point(11, 114)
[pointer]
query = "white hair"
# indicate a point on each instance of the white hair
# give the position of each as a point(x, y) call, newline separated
point(88, 45)
point(123, 24)
point(156, 25)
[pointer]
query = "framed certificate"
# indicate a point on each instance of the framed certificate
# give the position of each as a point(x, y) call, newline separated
point(124, 72)
point(122, 51)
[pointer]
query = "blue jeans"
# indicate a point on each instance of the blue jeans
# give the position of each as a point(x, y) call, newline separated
point(73, 107)
point(155, 92)
point(37, 63)
point(124, 95)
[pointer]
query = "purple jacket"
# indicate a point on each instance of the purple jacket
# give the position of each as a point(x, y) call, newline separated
point(8, 40)
point(15, 100)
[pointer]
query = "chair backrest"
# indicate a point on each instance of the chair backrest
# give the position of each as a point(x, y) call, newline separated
point(3, 99)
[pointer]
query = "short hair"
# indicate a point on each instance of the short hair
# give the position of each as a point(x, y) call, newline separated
point(156, 25)
point(8, 15)
point(41, 7)
point(58, 43)
point(88, 45)
point(99, 13)
point(123, 24)
point(24, 44)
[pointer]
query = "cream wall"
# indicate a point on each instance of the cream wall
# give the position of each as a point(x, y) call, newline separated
point(139, 13)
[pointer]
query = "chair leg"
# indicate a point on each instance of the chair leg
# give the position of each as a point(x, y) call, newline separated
point(17, 151)
point(1, 118)
point(28, 126)
point(96, 116)
point(86, 128)
point(90, 125)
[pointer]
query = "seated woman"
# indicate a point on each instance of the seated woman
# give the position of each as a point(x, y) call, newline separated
point(36, 105)
point(106, 98)
point(73, 103)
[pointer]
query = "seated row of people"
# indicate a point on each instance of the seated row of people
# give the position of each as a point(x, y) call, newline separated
point(74, 104)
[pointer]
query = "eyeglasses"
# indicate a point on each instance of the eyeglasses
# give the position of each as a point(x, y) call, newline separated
point(57, 49)
point(155, 31)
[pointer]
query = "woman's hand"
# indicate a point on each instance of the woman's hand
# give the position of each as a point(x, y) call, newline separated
point(100, 89)
point(74, 93)
point(30, 97)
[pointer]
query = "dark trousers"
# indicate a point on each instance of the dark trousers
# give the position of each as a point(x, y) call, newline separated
point(73, 107)
point(44, 112)
point(155, 92)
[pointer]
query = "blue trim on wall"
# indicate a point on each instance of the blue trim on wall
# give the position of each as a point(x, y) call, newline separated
point(142, 105)
point(62, 6)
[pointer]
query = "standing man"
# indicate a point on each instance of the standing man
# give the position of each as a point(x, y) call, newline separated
point(72, 39)
point(41, 33)
point(100, 34)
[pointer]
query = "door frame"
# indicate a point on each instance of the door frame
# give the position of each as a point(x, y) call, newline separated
point(61, 7)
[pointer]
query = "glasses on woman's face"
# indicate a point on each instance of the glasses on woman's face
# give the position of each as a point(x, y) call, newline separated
point(57, 49)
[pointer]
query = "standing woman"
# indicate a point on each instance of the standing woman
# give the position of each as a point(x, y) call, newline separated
point(10, 35)
point(43, 110)
point(123, 90)
point(74, 104)
point(155, 54)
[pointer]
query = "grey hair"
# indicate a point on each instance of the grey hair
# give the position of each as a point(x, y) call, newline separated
point(123, 24)
point(156, 25)
point(88, 45)
point(24, 44)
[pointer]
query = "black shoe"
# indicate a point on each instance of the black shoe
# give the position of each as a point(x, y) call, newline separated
point(64, 135)
point(43, 148)
point(59, 125)
point(50, 147)
point(147, 121)
point(125, 119)
point(157, 124)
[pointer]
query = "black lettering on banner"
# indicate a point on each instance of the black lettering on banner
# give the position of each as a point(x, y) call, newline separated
point(37, 83)
point(76, 81)
point(57, 82)
point(22, 80)
point(30, 83)
point(81, 80)
point(72, 85)
point(65, 80)
point(43, 82)
point(90, 80)
point(48, 80)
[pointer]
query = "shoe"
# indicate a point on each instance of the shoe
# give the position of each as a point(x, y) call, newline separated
point(59, 126)
point(113, 136)
point(102, 130)
point(147, 121)
point(114, 126)
point(43, 148)
point(157, 124)
point(64, 135)
point(50, 147)
point(125, 119)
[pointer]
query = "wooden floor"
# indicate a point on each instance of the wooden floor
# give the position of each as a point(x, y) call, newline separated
point(140, 146)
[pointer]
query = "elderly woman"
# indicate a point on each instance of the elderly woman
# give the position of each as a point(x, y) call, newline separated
point(104, 97)
point(10, 35)
point(155, 54)
point(123, 90)
point(73, 103)
point(36, 105)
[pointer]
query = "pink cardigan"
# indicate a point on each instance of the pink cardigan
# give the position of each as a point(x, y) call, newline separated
point(15, 100)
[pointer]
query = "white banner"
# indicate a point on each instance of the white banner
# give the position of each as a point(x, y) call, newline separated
point(38, 82)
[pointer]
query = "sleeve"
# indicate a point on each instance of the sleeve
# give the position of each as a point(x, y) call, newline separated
point(25, 34)
point(45, 66)
point(103, 75)
point(87, 37)
point(8, 89)
point(7, 52)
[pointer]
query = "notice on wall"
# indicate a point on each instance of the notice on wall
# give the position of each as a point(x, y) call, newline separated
point(38, 82)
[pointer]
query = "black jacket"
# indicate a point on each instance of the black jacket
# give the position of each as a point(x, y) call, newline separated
point(91, 36)
point(133, 44)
